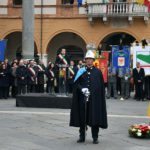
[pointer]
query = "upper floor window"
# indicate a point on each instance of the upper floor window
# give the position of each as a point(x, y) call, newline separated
point(67, 2)
point(17, 2)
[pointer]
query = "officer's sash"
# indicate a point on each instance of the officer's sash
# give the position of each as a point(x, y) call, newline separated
point(40, 68)
point(32, 70)
point(71, 70)
point(79, 73)
point(52, 73)
point(63, 59)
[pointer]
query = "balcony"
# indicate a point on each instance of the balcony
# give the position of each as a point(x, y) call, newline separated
point(117, 9)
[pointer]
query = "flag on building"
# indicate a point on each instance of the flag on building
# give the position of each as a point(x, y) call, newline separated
point(141, 2)
point(2, 49)
point(142, 55)
point(147, 3)
point(79, 3)
point(144, 2)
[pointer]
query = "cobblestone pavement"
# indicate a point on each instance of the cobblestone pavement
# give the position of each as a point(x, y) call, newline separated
point(48, 129)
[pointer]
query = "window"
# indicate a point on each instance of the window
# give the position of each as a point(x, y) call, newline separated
point(67, 2)
point(17, 2)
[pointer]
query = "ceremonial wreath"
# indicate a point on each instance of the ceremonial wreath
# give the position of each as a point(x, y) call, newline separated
point(140, 131)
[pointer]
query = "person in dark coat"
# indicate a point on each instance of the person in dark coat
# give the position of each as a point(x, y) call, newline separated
point(89, 79)
point(51, 78)
point(32, 77)
point(40, 77)
point(72, 70)
point(4, 81)
point(8, 67)
point(62, 64)
point(138, 76)
point(21, 74)
point(14, 90)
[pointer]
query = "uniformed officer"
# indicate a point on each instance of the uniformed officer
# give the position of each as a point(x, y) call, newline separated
point(89, 111)
point(112, 82)
point(21, 74)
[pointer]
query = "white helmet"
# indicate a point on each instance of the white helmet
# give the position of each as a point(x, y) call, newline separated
point(89, 54)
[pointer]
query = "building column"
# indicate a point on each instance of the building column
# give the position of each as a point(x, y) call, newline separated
point(28, 29)
point(44, 58)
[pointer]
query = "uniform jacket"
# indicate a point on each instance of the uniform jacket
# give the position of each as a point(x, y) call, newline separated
point(97, 104)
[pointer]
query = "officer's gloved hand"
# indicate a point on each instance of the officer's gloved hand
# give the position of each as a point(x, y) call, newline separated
point(85, 91)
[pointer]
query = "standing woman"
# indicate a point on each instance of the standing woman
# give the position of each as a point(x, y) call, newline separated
point(14, 79)
point(51, 78)
point(4, 81)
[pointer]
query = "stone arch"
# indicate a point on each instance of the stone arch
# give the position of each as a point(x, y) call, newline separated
point(99, 39)
point(61, 31)
point(14, 44)
point(74, 44)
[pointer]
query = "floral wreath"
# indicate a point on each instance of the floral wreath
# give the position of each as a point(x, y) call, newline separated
point(140, 130)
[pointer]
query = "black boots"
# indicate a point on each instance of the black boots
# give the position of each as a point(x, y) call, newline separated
point(81, 139)
point(95, 141)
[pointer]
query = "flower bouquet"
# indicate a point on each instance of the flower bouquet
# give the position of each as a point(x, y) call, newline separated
point(140, 130)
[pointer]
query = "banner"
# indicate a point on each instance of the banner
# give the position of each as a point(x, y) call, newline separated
point(102, 64)
point(121, 58)
point(2, 49)
point(142, 55)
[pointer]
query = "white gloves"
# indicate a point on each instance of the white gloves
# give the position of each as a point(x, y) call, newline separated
point(85, 91)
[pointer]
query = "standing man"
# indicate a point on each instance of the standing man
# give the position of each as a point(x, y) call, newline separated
point(32, 77)
point(62, 63)
point(71, 75)
point(112, 82)
point(21, 74)
point(138, 76)
point(127, 78)
point(89, 79)
point(40, 77)
point(80, 65)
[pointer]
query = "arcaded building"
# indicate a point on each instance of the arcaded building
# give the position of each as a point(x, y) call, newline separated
point(61, 24)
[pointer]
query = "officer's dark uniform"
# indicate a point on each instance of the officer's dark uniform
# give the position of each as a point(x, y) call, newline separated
point(31, 84)
point(96, 115)
point(40, 78)
point(21, 72)
point(51, 80)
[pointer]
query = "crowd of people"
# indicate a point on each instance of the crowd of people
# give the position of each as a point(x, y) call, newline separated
point(130, 80)
point(27, 76)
